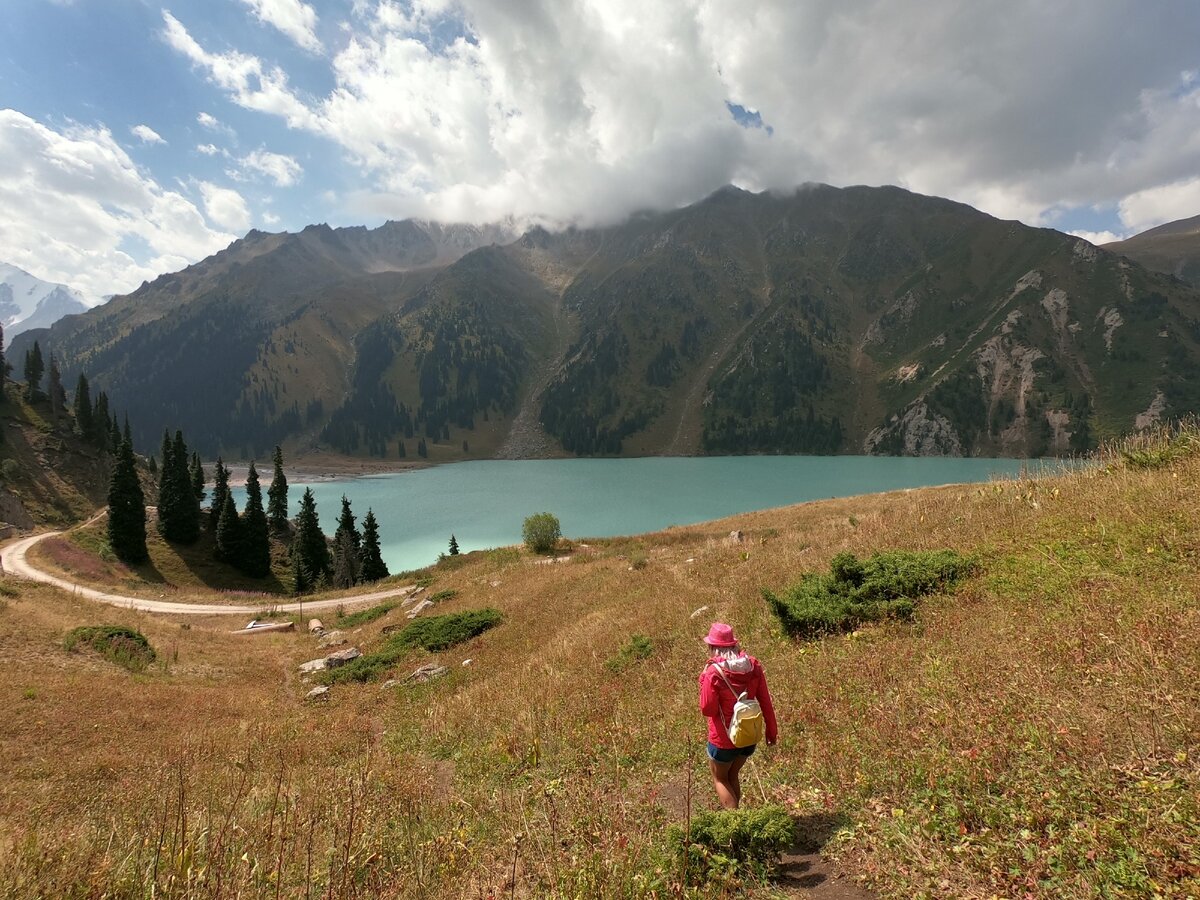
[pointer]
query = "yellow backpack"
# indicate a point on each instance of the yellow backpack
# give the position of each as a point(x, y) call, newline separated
point(748, 726)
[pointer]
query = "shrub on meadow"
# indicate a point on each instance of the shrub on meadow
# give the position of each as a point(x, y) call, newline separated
point(541, 532)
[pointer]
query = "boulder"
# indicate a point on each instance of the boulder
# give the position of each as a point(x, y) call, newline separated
point(419, 608)
point(336, 660)
point(331, 639)
point(700, 610)
point(736, 537)
point(467, 662)
point(428, 672)
point(313, 665)
point(320, 692)
point(390, 683)
point(315, 626)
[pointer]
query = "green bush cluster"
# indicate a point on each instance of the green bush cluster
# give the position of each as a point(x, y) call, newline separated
point(1159, 454)
point(116, 643)
point(541, 532)
point(435, 633)
point(370, 614)
point(885, 585)
point(443, 596)
point(729, 843)
point(639, 647)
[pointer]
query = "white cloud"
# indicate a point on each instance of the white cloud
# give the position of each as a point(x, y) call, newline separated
point(79, 211)
point(270, 218)
point(224, 206)
point(245, 78)
point(1100, 238)
point(212, 123)
point(147, 135)
point(208, 149)
point(283, 170)
point(588, 110)
point(295, 19)
point(1163, 203)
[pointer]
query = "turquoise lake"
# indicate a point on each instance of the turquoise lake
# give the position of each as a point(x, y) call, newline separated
point(484, 503)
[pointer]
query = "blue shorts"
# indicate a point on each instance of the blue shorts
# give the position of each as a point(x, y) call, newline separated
point(721, 755)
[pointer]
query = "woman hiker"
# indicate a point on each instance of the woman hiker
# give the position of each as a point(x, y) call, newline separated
point(730, 669)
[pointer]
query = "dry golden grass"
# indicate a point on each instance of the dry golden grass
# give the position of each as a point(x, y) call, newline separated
point(1033, 734)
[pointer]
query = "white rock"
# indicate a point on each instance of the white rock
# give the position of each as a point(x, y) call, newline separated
point(313, 665)
point(736, 537)
point(320, 692)
point(702, 609)
point(419, 608)
point(467, 662)
point(335, 660)
point(428, 672)
point(331, 639)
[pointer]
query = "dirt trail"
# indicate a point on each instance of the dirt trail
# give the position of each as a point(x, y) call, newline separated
point(13, 557)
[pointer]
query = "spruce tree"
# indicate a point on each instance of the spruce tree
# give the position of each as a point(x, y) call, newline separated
point(220, 489)
point(3, 364)
point(229, 533)
point(126, 509)
point(196, 474)
point(277, 495)
point(189, 503)
point(373, 566)
point(453, 546)
point(83, 406)
point(301, 579)
point(309, 541)
point(256, 538)
point(168, 503)
point(114, 436)
point(346, 566)
point(403, 453)
point(100, 421)
point(35, 367)
point(58, 397)
point(347, 526)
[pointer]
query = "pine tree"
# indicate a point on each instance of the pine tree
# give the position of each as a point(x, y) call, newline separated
point(167, 501)
point(34, 369)
point(256, 538)
point(114, 436)
point(346, 525)
point(277, 495)
point(346, 566)
point(309, 541)
point(83, 407)
point(422, 450)
point(126, 509)
point(100, 421)
point(189, 503)
point(402, 451)
point(3, 364)
point(196, 474)
point(301, 578)
point(229, 533)
point(373, 566)
point(58, 397)
point(453, 546)
point(153, 466)
point(220, 489)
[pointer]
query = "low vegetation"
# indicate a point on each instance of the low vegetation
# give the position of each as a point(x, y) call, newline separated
point(434, 633)
point(365, 616)
point(1033, 735)
point(541, 532)
point(884, 586)
point(118, 644)
point(639, 647)
point(722, 845)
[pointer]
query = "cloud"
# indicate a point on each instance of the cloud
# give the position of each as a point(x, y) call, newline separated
point(79, 211)
point(1162, 203)
point(224, 206)
point(295, 19)
point(147, 135)
point(208, 149)
point(247, 80)
point(1099, 238)
point(586, 111)
point(212, 123)
point(283, 170)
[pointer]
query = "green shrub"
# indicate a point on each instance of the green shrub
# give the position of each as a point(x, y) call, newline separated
point(370, 614)
point(442, 596)
point(729, 843)
point(541, 532)
point(434, 634)
point(116, 643)
point(639, 647)
point(886, 585)
point(1155, 454)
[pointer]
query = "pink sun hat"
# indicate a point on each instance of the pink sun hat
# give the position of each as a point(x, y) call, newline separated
point(720, 635)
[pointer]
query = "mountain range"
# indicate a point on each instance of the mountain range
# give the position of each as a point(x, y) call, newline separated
point(826, 320)
point(27, 302)
point(1173, 248)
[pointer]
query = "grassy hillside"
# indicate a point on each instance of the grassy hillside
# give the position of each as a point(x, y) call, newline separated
point(1031, 733)
point(1173, 248)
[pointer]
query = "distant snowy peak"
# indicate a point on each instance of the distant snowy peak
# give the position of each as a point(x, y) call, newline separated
point(27, 302)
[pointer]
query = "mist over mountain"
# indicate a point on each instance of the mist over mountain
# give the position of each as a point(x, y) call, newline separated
point(823, 320)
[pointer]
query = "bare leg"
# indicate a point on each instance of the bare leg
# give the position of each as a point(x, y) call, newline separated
point(735, 769)
point(726, 792)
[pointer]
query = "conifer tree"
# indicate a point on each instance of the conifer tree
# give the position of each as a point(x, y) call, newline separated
point(403, 453)
point(189, 503)
point(83, 407)
point(256, 538)
point(346, 566)
point(35, 367)
point(58, 397)
point(220, 489)
point(229, 533)
point(309, 541)
point(114, 436)
point(126, 509)
point(100, 421)
point(453, 546)
point(346, 526)
point(196, 474)
point(167, 502)
point(301, 579)
point(277, 495)
point(3, 364)
point(153, 466)
point(373, 566)
point(127, 432)
point(422, 450)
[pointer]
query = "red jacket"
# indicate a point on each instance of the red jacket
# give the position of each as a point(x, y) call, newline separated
point(716, 700)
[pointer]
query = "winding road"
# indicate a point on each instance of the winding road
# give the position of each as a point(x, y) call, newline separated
point(13, 557)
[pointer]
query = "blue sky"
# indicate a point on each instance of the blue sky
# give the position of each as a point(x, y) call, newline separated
point(137, 136)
